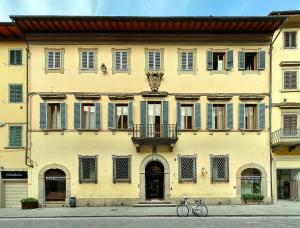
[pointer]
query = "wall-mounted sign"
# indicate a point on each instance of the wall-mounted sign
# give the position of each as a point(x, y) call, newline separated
point(14, 174)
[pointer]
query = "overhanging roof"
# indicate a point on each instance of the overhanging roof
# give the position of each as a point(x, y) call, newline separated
point(286, 12)
point(124, 24)
point(9, 31)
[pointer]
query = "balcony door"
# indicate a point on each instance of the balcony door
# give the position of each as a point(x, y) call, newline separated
point(154, 119)
point(290, 124)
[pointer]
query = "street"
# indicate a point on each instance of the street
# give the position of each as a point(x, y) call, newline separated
point(146, 222)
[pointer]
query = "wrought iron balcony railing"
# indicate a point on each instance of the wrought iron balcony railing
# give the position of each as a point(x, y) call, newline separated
point(288, 137)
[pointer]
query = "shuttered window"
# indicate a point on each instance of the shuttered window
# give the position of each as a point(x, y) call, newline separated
point(154, 60)
point(121, 60)
point(290, 40)
point(15, 136)
point(219, 60)
point(290, 124)
point(187, 61)
point(88, 60)
point(219, 116)
point(252, 116)
point(187, 168)
point(121, 169)
point(87, 116)
point(87, 169)
point(54, 60)
point(15, 93)
point(121, 116)
point(252, 61)
point(15, 57)
point(52, 115)
point(290, 79)
point(219, 168)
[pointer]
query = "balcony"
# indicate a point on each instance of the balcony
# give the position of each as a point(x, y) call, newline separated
point(154, 135)
point(286, 137)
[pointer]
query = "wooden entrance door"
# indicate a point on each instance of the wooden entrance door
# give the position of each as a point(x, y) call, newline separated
point(154, 180)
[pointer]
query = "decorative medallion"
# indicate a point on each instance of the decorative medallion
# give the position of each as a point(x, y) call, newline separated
point(154, 79)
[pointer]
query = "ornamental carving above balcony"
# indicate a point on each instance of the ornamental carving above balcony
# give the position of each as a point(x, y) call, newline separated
point(154, 79)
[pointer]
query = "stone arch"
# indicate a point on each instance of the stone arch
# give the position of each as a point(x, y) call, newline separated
point(144, 163)
point(263, 173)
point(42, 182)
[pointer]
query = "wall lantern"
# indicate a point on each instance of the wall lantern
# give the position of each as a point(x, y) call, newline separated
point(103, 68)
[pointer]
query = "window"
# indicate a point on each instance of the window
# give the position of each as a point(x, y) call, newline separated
point(122, 116)
point(290, 39)
point(54, 116)
point(219, 61)
point(154, 60)
point(250, 61)
point(15, 93)
point(290, 124)
point(220, 168)
point(15, 57)
point(187, 61)
point(88, 116)
point(121, 168)
point(88, 59)
point(88, 169)
point(186, 116)
point(54, 59)
point(219, 116)
point(250, 116)
point(251, 181)
point(290, 79)
point(121, 60)
point(187, 168)
point(15, 136)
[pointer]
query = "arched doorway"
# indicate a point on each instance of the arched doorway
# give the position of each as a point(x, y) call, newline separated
point(251, 181)
point(55, 185)
point(154, 180)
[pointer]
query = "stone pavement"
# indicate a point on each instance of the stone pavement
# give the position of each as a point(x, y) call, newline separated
point(283, 208)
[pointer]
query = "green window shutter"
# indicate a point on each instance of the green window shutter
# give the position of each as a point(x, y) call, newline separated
point(241, 60)
point(143, 126)
point(178, 115)
point(12, 93)
point(229, 58)
point(12, 57)
point(241, 116)
point(197, 119)
point(165, 118)
point(261, 60)
point(77, 115)
point(130, 110)
point(15, 136)
point(63, 108)
point(19, 93)
point(209, 118)
point(43, 115)
point(111, 115)
point(97, 115)
point(18, 57)
point(229, 116)
point(261, 116)
point(209, 61)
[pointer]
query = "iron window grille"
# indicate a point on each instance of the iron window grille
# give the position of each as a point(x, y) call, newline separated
point(88, 169)
point(121, 169)
point(187, 168)
point(220, 168)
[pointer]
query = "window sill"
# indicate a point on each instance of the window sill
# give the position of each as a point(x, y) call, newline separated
point(220, 181)
point(53, 129)
point(251, 130)
point(125, 130)
point(187, 130)
point(91, 130)
point(186, 71)
point(88, 182)
point(219, 72)
point(121, 71)
point(14, 147)
point(251, 71)
point(47, 71)
point(122, 181)
point(187, 181)
point(219, 130)
point(289, 90)
point(82, 71)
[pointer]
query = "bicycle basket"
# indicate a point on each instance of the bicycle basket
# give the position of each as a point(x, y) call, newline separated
point(182, 202)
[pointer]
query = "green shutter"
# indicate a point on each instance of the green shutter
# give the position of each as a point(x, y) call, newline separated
point(43, 115)
point(130, 120)
point(229, 59)
point(111, 115)
point(241, 60)
point(63, 115)
point(97, 115)
point(15, 93)
point(15, 57)
point(77, 115)
point(143, 125)
point(197, 119)
point(209, 118)
point(261, 116)
point(165, 118)
point(241, 116)
point(15, 136)
point(178, 115)
point(12, 57)
point(209, 61)
point(261, 60)
point(229, 116)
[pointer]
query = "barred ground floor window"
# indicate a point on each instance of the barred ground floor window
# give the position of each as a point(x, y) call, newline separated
point(88, 169)
point(121, 169)
point(219, 168)
point(251, 181)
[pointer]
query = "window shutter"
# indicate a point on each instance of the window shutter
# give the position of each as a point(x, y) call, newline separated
point(15, 136)
point(77, 115)
point(143, 118)
point(118, 60)
point(287, 80)
point(130, 120)
point(197, 119)
point(190, 61)
point(43, 115)
point(293, 80)
point(98, 115)
point(261, 60)
point(91, 60)
point(293, 39)
point(151, 60)
point(165, 118)
point(18, 57)
point(12, 57)
point(157, 60)
point(229, 58)
point(209, 116)
point(63, 115)
point(111, 115)
point(57, 59)
point(209, 56)
point(241, 60)
point(178, 115)
point(124, 60)
point(50, 60)
point(12, 93)
point(261, 115)
point(19, 93)
point(183, 61)
point(241, 116)
point(229, 116)
point(290, 80)
point(84, 60)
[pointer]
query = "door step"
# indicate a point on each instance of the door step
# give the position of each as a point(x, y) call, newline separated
point(155, 204)
point(54, 204)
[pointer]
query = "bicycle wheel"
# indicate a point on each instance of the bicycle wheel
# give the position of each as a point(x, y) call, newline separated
point(201, 210)
point(182, 211)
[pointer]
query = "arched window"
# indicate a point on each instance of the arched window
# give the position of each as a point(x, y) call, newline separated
point(251, 181)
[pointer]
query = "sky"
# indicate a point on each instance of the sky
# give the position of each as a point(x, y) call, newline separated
point(144, 7)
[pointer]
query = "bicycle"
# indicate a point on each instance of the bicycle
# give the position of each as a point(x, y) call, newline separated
point(198, 209)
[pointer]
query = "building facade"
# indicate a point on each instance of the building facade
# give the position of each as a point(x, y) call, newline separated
point(286, 109)
point(13, 178)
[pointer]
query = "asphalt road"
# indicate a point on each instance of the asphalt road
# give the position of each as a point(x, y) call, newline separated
point(145, 222)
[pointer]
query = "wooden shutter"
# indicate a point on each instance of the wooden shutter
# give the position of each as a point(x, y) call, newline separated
point(143, 128)
point(290, 80)
point(124, 60)
point(197, 119)
point(165, 118)
point(91, 60)
point(209, 117)
point(241, 116)
point(157, 60)
point(290, 121)
point(229, 116)
point(97, 115)
point(15, 136)
point(190, 61)
point(241, 60)
point(84, 60)
point(151, 60)
point(293, 38)
point(209, 61)
point(12, 93)
point(229, 59)
point(12, 57)
point(63, 115)
point(261, 115)
point(183, 61)
point(57, 61)
point(178, 115)
point(261, 60)
point(43, 115)
point(118, 60)
point(50, 59)
point(77, 115)
point(19, 93)
point(130, 119)
point(111, 115)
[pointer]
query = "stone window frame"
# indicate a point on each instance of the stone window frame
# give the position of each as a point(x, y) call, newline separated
point(290, 112)
point(125, 180)
point(283, 39)
point(62, 55)
point(81, 179)
point(179, 69)
point(95, 69)
point(22, 140)
point(15, 49)
point(219, 180)
point(194, 179)
point(15, 84)
point(161, 50)
point(284, 69)
point(114, 70)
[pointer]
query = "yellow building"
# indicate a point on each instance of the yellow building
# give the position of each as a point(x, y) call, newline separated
point(13, 179)
point(136, 109)
point(286, 108)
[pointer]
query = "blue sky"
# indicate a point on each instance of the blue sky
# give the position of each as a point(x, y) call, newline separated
point(144, 7)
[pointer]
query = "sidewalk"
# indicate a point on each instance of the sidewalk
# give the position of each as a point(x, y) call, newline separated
point(279, 209)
